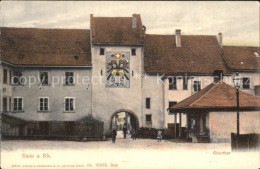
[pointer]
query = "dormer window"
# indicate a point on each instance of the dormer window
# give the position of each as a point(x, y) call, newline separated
point(256, 54)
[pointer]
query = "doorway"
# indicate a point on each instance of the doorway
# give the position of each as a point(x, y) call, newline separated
point(121, 117)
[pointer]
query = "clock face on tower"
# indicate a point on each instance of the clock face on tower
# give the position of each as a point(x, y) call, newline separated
point(117, 69)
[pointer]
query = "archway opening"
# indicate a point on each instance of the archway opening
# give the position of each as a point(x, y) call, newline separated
point(121, 117)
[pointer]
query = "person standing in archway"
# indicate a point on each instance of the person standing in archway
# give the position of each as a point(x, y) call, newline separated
point(114, 133)
point(159, 136)
point(124, 129)
point(134, 134)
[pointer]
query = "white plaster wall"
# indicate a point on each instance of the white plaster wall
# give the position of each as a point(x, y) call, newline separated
point(154, 89)
point(106, 101)
point(223, 123)
point(254, 81)
point(56, 94)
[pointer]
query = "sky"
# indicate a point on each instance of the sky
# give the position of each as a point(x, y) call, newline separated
point(238, 21)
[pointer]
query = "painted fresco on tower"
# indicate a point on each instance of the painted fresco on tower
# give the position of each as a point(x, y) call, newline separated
point(117, 69)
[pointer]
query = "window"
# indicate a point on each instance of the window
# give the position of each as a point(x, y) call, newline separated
point(10, 77)
point(172, 103)
point(196, 86)
point(185, 83)
point(18, 104)
point(44, 78)
point(102, 51)
point(133, 52)
point(5, 104)
point(43, 104)
point(148, 120)
point(17, 77)
point(148, 117)
point(172, 83)
point(10, 103)
point(5, 77)
point(246, 83)
point(148, 103)
point(69, 78)
point(69, 104)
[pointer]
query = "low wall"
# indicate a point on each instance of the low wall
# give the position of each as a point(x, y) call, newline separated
point(221, 124)
point(245, 142)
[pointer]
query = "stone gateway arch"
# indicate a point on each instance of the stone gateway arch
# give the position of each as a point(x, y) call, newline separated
point(122, 116)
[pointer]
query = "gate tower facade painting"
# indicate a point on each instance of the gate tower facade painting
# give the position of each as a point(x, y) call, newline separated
point(117, 69)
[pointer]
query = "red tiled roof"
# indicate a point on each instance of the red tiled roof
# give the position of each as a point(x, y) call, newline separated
point(217, 96)
point(116, 30)
point(242, 57)
point(50, 47)
point(198, 54)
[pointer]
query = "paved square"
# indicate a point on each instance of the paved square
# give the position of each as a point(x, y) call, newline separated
point(125, 153)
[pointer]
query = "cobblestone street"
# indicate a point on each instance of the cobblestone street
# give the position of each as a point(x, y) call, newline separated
point(125, 153)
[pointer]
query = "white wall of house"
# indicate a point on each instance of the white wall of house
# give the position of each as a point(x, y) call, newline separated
point(254, 81)
point(106, 100)
point(221, 124)
point(153, 88)
point(56, 94)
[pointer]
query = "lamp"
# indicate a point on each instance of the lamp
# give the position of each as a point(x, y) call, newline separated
point(237, 83)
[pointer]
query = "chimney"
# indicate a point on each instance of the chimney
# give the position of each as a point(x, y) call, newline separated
point(178, 37)
point(142, 34)
point(92, 26)
point(220, 38)
point(134, 21)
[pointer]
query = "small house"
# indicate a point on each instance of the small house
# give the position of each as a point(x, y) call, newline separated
point(211, 113)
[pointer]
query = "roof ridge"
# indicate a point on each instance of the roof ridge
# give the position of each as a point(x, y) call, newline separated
point(213, 87)
point(42, 28)
point(242, 46)
point(221, 83)
point(174, 35)
point(112, 17)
